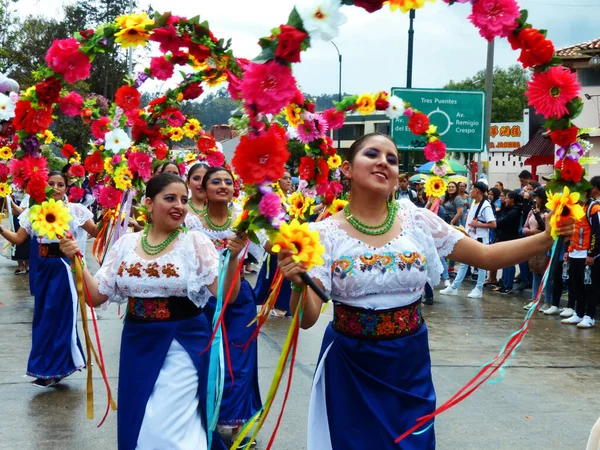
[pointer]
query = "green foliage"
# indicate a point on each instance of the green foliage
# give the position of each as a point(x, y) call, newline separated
point(508, 98)
point(296, 149)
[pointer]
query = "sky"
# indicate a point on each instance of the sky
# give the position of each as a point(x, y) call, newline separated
point(374, 46)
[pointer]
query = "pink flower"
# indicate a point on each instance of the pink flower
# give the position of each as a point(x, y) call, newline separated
point(434, 151)
point(440, 171)
point(141, 164)
point(268, 88)
point(495, 18)
point(65, 57)
point(116, 159)
point(76, 193)
point(100, 127)
point(160, 68)
point(308, 131)
point(71, 104)
point(408, 112)
point(176, 119)
point(215, 159)
point(549, 92)
point(270, 205)
point(334, 118)
point(109, 197)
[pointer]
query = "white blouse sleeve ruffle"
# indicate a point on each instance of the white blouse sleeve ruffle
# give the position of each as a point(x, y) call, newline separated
point(106, 276)
point(323, 273)
point(203, 266)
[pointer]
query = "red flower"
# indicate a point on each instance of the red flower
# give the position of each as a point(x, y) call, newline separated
point(32, 120)
point(77, 170)
point(326, 146)
point(168, 39)
point(25, 169)
point(100, 127)
point(76, 193)
point(334, 118)
point(94, 163)
point(323, 169)
point(570, 170)
point(4, 173)
point(259, 159)
point(161, 151)
point(289, 42)
point(434, 151)
point(65, 57)
point(36, 188)
point(71, 103)
point(86, 115)
point(109, 197)
point(48, 91)
point(381, 104)
point(418, 123)
point(370, 5)
point(174, 117)
point(192, 91)
point(67, 150)
point(215, 159)
point(206, 144)
point(564, 138)
point(549, 92)
point(160, 68)
point(306, 171)
point(157, 101)
point(199, 51)
point(128, 98)
point(180, 58)
point(140, 163)
point(536, 50)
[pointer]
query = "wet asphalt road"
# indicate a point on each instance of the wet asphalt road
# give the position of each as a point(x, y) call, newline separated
point(549, 398)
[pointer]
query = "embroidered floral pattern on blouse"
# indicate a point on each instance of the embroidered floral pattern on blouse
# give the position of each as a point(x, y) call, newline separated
point(134, 270)
point(121, 269)
point(220, 244)
point(170, 271)
point(381, 263)
point(149, 308)
point(152, 270)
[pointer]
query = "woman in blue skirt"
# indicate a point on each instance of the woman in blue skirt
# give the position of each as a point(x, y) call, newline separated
point(373, 378)
point(241, 396)
point(166, 275)
point(55, 348)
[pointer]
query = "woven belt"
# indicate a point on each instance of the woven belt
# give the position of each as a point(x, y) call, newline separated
point(50, 251)
point(161, 309)
point(377, 324)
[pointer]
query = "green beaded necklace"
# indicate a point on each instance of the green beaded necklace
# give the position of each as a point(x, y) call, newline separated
point(373, 230)
point(213, 226)
point(156, 249)
point(196, 210)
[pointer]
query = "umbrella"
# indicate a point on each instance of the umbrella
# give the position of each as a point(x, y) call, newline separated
point(454, 167)
point(458, 178)
point(418, 178)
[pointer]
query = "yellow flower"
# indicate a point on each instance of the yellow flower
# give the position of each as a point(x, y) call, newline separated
point(5, 189)
point(435, 187)
point(365, 104)
point(191, 128)
point(216, 79)
point(406, 5)
point(176, 133)
point(197, 65)
point(50, 219)
point(179, 96)
point(133, 30)
point(334, 161)
point(108, 165)
point(431, 130)
point(6, 153)
point(299, 204)
point(303, 243)
point(337, 206)
point(47, 136)
point(383, 95)
point(122, 178)
point(564, 205)
point(190, 158)
point(293, 115)
point(75, 158)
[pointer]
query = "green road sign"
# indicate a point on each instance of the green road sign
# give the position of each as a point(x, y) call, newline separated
point(459, 116)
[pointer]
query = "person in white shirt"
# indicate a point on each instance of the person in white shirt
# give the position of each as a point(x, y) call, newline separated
point(480, 221)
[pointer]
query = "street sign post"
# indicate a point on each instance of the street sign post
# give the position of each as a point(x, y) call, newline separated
point(459, 116)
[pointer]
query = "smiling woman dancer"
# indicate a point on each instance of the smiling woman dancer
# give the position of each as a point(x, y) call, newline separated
point(166, 274)
point(373, 378)
point(55, 348)
point(242, 399)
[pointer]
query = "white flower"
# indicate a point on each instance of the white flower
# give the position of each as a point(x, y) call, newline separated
point(440, 171)
point(117, 140)
point(396, 108)
point(322, 19)
point(7, 107)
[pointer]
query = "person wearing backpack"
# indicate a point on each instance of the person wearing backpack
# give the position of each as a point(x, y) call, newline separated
point(480, 221)
point(404, 190)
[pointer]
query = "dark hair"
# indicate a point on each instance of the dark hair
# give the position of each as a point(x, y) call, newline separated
point(514, 195)
point(211, 171)
point(66, 168)
point(500, 183)
point(158, 183)
point(54, 173)
point(495, 192)
point(450, 197)
point(595, 182)
point(541, 193)
point(481, 186)
point(358, 143)
point(196, 167)
point(167, 164)
point(534, 184)
point(525, 174)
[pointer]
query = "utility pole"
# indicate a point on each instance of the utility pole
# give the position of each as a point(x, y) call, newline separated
point(409, 69)
point(339, 140)
point(489, 88)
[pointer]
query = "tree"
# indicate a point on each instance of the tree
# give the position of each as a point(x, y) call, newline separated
point(9, 33)
point(508, 98)
point(296, 149)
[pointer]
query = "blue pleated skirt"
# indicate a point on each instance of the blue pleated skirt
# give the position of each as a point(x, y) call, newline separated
point(144, 347)
point(366, 393)
point(262, 289)
point(241, 396)
point(55, 347)
point(33, 262)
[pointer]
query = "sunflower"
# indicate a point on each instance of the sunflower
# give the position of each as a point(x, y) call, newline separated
point(6, 153)
point(133, 30)
point(435, 187)
point(190, 158)
point(198, 65)
point(50, 219)
point(5, 189)
point(564, 205)
point(337, 205)
point(48, 136)
point(122, 178)
point(191, 128)
point(176, 134)
point(334, 161)
point(299, 204)
point(215, 79)
point(108, 166)
point(293, 114)
point(303, 243)
point(365, 104)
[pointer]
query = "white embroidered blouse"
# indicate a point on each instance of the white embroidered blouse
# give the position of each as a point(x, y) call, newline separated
point(80, 215)
point(389, 276)
point(185, 271)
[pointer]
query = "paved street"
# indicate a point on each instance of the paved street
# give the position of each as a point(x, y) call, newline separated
point(549, 399)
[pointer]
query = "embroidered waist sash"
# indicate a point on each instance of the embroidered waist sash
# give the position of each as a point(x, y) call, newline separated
point(160, 309)
point(50, 251)
point(377, 324)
